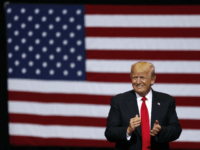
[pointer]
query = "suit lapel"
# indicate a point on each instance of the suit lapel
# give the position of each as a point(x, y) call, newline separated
point(156, 108)
point(133, 108)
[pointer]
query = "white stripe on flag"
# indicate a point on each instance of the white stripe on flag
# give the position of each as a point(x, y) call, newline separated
point(96, 88)
point(83, 110)
point(142, 20)
point(124, 66)
point(185, 112)
point(189, 135)
point(57, 131)
point(79, 132)
point(117, 43)
point(58, 109)
point(178, 89)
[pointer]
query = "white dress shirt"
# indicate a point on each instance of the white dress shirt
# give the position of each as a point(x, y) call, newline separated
point(148, 103)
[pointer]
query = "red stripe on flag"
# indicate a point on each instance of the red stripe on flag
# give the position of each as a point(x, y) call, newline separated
point(145, 10)
point(187, 101)
point(189, 124)
point(58, 98)
point(142, 32)
point(184, 145)
point(57, 120)
point(88, 99)
point(80, 121)
point(108, 77)
point(142, 55)
point(35, 141)
point(160, 78)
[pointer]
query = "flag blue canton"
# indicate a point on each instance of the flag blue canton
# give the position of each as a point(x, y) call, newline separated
point(46, 42)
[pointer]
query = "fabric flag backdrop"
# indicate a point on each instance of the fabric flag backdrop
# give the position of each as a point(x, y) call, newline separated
point(65, 62)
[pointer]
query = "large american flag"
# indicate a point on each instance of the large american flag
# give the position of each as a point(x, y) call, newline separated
point(65, 62)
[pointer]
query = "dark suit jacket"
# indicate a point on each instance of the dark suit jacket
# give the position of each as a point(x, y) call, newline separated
point(124, 107)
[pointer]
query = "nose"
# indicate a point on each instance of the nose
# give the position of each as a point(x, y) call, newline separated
point(138, 81)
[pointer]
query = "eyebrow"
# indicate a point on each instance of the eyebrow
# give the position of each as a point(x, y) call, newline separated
point(138, 76)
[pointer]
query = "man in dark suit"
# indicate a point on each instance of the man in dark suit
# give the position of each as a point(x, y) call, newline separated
point(142, 119)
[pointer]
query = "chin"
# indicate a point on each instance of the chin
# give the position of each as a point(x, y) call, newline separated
point(139, 92)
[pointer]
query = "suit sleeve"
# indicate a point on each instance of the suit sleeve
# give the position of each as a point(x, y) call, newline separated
point(114, 131)
point(173, 129)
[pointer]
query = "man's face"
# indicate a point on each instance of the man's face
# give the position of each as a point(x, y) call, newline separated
point(141, 82)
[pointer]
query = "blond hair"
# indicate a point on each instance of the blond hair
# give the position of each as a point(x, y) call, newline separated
point(144, 66)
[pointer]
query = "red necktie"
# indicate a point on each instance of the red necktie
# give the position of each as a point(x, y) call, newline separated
point(146, 138)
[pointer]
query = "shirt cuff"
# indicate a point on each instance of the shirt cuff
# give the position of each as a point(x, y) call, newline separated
point(128, 137)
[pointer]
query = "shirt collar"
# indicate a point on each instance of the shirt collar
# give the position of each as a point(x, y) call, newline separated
point(148, 96)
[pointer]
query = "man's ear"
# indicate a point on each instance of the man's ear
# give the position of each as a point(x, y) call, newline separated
point(153, 79)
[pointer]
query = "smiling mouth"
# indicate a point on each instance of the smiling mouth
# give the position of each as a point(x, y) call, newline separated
point(139, 86)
